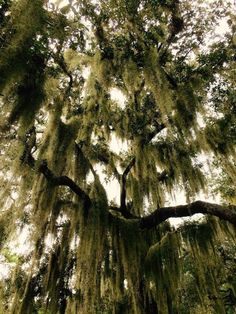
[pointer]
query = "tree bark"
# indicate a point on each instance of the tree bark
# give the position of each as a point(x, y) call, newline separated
point(52, 178)
point(227, 213)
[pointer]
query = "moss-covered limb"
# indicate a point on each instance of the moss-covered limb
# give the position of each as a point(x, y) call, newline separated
point(227, 213)
point(53, 179)
point(161, 177)
point(124, 211)
point(63, 181)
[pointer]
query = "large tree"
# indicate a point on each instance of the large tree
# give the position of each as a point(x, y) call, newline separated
point(63, 65)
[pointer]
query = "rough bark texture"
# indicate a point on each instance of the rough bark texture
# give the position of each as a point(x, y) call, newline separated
point(227, 213)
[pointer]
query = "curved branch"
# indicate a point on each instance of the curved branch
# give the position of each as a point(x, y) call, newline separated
point(227, 213)
point(28, 159)
point(63, 181)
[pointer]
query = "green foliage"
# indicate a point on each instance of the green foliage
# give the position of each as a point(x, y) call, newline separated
point(59, 68)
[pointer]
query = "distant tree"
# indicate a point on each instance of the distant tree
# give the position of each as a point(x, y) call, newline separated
point(61, 62)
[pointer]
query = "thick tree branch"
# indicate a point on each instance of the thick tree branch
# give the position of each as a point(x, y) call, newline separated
point(63, 181)
point(28, 159)
point(162, 176)
point(227, 213)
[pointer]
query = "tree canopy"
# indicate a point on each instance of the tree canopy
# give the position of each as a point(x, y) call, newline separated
point(78, 76)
